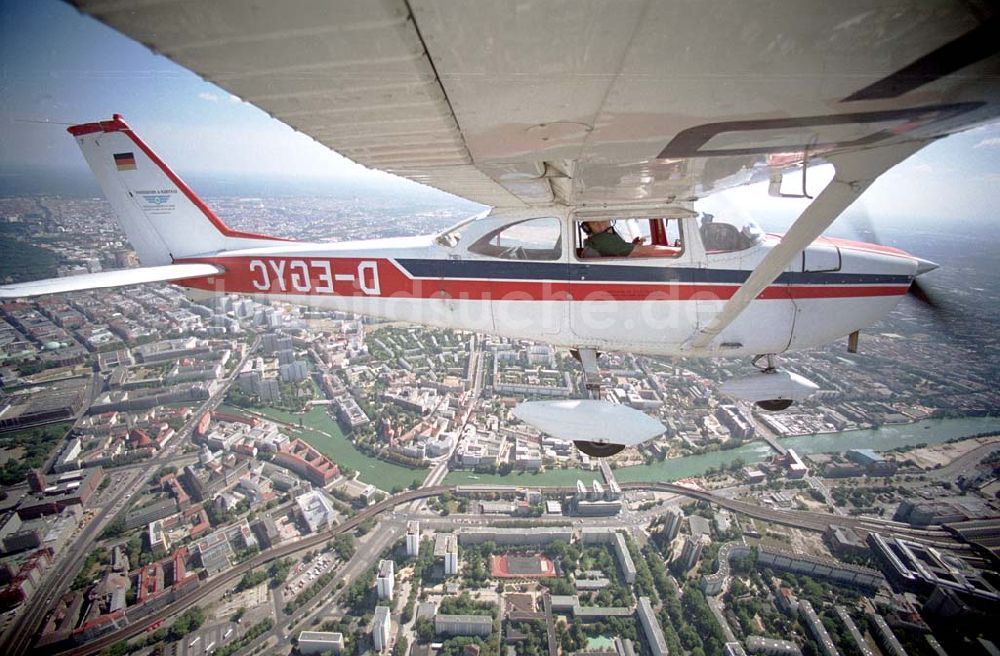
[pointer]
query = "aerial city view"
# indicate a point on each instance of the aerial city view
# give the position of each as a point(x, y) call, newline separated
point(261, 414)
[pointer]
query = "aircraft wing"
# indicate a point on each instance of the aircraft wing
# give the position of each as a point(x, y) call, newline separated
point(602, 103)
point(104, 279)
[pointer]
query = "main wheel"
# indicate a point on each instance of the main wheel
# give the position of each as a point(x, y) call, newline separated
point(598, 449)
point(775, 404)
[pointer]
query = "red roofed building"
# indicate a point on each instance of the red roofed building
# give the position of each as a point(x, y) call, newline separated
point(138, 439)
point(307, 462)
point(27, 579)
point(173, 486)
point(197, 520)
point(99, 626)
point(202, 428)
point(150, 582)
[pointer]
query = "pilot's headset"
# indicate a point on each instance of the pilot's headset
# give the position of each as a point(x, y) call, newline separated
point(587, 230)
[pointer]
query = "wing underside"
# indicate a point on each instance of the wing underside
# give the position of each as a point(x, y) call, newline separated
point(588, 102)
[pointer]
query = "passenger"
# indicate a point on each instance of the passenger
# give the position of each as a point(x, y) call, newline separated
point(603, 239)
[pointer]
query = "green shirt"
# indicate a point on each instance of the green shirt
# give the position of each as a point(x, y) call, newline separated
point(609, 244)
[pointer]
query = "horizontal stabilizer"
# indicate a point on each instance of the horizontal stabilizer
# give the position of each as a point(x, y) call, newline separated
point(589, 420)
point(106, 279)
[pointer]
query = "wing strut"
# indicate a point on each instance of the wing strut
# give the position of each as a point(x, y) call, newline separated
point(855, 172)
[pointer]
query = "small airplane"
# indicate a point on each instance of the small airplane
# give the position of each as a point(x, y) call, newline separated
point(454, 95)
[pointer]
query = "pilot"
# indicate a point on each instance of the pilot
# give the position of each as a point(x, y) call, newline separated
point(603, 239)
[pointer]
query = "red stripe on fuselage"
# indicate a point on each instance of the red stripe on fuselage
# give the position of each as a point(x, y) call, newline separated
point(382, 278)
point(864, 246)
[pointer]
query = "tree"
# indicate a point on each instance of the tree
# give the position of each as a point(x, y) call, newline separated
point(278, 571)
point(424, 629)
point(117, 649)
point(251, 579)
point(343, 545)
point(115, 529)
point(189, 621)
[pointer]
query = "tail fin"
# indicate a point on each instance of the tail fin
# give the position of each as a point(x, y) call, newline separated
point(163, 219)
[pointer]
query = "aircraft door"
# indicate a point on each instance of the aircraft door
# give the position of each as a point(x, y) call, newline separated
point(634, 302)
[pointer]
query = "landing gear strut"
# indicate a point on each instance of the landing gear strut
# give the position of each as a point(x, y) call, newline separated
point(592, 383)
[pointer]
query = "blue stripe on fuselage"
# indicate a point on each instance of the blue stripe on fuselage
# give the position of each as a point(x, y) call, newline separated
point(521, 270)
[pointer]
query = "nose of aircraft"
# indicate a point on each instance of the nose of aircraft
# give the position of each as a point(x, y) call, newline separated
point(923, 266)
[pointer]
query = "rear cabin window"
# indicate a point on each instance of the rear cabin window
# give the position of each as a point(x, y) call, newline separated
point(534, 239)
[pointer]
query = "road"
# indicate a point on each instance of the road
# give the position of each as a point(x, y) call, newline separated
point(965, 464)
point(22, 631)
point(809, 520)
point(363, 559)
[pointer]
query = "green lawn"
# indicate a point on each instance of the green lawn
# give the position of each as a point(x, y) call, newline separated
point(319, 430)
point(32, 446)
point(553, 477)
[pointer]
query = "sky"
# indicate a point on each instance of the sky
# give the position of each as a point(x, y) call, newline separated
point(59, 67)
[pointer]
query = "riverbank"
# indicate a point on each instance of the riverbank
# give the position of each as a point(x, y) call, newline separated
point(941, 455)
point(322, 432)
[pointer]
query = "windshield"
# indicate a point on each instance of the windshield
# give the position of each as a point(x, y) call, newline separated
point(450, 237)
point(721, 236)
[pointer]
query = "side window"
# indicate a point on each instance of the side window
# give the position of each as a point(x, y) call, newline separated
point(642, 237)
point(534, 239)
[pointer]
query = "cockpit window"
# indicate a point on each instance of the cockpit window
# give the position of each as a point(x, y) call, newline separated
point(534, 239)
point(630, 237)
point(722, 237)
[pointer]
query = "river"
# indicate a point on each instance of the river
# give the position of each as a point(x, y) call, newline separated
point(930, 431)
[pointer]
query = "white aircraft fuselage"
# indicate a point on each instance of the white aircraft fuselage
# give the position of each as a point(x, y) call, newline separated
point(643, 305)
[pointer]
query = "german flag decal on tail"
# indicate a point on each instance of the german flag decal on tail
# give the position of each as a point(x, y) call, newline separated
point(125, 161)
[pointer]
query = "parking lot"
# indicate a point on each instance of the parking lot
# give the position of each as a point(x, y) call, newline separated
point(206, 639)
point(306, 574)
